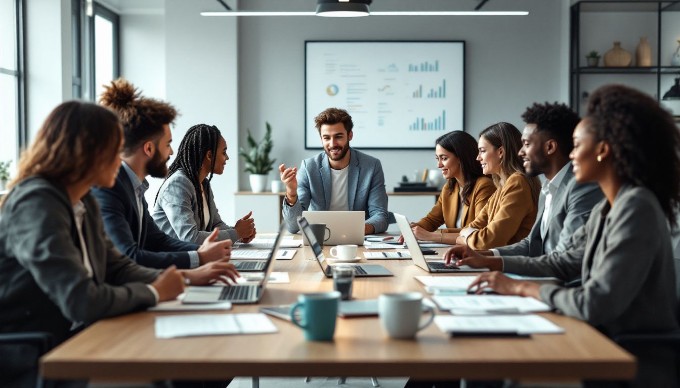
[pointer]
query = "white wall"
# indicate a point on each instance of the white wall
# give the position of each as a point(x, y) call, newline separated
point(142, 38)
point(510, 63)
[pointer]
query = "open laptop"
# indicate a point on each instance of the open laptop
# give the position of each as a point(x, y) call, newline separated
point(360, 270)
point(417, 254)
point(347, 227)
point(235, 293)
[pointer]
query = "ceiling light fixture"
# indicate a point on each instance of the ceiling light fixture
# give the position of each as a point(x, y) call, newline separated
point(342, 8)
point(355, 8)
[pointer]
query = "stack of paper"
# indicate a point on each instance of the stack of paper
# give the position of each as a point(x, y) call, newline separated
point(489, 304)
point(492, 325)
point(402, 254)
point(446, 284)
point(212, 324)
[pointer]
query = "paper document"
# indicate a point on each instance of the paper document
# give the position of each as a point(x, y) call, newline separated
point(434, 245)
point(264, 243)
point(496, 325)
point(489, 304)
point(212, 324)
point(176, 305)
point(379, 238)
point(382, 245)
point(451, 283)
point(402, 254)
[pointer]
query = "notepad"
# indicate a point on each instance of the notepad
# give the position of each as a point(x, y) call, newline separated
point(489, 304)
point(405, 255)
point(492, 325)
point(212, 324)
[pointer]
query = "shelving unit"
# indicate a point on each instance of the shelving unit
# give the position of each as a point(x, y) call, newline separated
point(596, 24)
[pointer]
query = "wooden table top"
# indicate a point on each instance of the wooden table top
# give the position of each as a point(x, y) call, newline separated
point(125, 348)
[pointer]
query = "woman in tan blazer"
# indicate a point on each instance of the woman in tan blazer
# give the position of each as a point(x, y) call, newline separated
point(511, 211)
point(466, 191)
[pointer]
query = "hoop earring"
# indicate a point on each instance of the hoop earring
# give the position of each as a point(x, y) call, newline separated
point(599, 158)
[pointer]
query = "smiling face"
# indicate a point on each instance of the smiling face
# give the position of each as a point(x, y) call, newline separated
point(335, 140)
point(489, 157)
point(448, 163)
point(584, 155)
point(532, 152)
point(222, 156)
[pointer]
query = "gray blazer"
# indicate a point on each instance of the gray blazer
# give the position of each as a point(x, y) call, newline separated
point(43, 283)
point(365, 189)
point(626, 263)
point(177, 214)
point(570, 208)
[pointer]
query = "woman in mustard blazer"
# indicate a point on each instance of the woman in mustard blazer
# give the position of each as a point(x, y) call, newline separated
point(466, 191)
point(511, 211)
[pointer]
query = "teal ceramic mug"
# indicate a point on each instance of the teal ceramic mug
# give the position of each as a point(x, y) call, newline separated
point(317, 315)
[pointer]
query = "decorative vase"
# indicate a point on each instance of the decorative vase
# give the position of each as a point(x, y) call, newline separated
point(617, 57)
point(3, 185)
point(643, 53)
point(258, 182)
point(675, 59)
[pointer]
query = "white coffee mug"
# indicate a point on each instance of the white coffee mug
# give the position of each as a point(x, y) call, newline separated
point(344, 252)
point(400, 314)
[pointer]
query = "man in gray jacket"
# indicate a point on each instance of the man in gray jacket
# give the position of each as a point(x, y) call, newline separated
point(563, 205)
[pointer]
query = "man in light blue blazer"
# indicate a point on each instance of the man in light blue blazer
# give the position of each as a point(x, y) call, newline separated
point(564, 205)
point(340, 178)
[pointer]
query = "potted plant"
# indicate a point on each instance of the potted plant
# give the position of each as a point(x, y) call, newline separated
point(593, 59)
point(4, 174)
point(257, 159)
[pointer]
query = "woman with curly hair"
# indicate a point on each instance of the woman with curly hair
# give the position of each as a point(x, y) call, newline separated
point(467, 189)
point(629, 145)
point(185, 207)
point(511, 211)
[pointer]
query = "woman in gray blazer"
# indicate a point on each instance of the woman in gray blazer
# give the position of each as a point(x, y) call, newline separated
point(185, 206)
point(58, 270)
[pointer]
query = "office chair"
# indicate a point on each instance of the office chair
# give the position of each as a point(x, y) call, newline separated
point(21, 353)
point(658, 354)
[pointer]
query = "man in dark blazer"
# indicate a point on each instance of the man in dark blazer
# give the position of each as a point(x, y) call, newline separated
point(146, 125)
point(547, 142)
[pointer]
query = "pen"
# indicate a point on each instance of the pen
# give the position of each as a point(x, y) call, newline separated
point(283, 252)
point(384, 254)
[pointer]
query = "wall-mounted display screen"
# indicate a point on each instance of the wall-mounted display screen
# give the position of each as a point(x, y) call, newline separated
point(401, 95)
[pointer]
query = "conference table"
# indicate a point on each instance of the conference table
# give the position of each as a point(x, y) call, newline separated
point(125, 348)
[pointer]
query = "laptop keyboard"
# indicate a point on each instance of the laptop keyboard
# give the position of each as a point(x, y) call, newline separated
point(439, 265)
point(248, 265)
point(236, 293)
point(250, 253)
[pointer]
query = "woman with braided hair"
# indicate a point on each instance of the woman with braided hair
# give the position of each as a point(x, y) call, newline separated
point(185, 206)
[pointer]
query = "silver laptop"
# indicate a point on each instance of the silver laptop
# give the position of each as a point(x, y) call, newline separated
point(236, 293)
point(346, 227)
point(417, 255)
point(360, 270)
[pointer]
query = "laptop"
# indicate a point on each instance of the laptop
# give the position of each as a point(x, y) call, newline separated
point(360, 270)
point(346, 227)
point(346, 309)
point(417, 254)
point(235, 293)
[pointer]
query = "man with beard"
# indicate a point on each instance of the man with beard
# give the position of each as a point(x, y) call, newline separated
point(146, 125)
point(340, 178)
point(564, 205)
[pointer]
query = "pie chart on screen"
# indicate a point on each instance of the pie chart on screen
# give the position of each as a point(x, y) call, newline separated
point(332, 90)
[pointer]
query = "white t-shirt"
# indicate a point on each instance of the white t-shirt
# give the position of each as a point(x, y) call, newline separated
point(339, 200)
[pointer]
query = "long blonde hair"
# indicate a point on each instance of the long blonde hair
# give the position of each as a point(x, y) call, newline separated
point(72, 144)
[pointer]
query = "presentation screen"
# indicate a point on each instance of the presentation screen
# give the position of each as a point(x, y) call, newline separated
point(401, 95)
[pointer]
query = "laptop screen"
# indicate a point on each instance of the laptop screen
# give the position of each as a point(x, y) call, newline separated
point(313, 242)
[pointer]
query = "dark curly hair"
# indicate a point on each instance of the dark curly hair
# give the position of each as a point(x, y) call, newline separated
point(143, 118)
point(644, 141)
point(191, 153)
point(556, 120)
point(334, 116)
point(464, 146)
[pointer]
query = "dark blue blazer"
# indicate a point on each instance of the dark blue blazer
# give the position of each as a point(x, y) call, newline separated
point(121, 221)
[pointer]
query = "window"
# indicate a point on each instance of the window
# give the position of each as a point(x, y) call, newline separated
point(12, 124)
point(95, 48)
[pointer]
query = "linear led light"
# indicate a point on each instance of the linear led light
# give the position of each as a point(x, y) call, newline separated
point(376, 13)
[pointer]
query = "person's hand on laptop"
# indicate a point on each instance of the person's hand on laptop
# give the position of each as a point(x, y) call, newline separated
point(213, 250)
point(464, 255)
point(245, 228)
point(169, 284)
point(210, 273)
point(289, 178)
point(422, 234)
